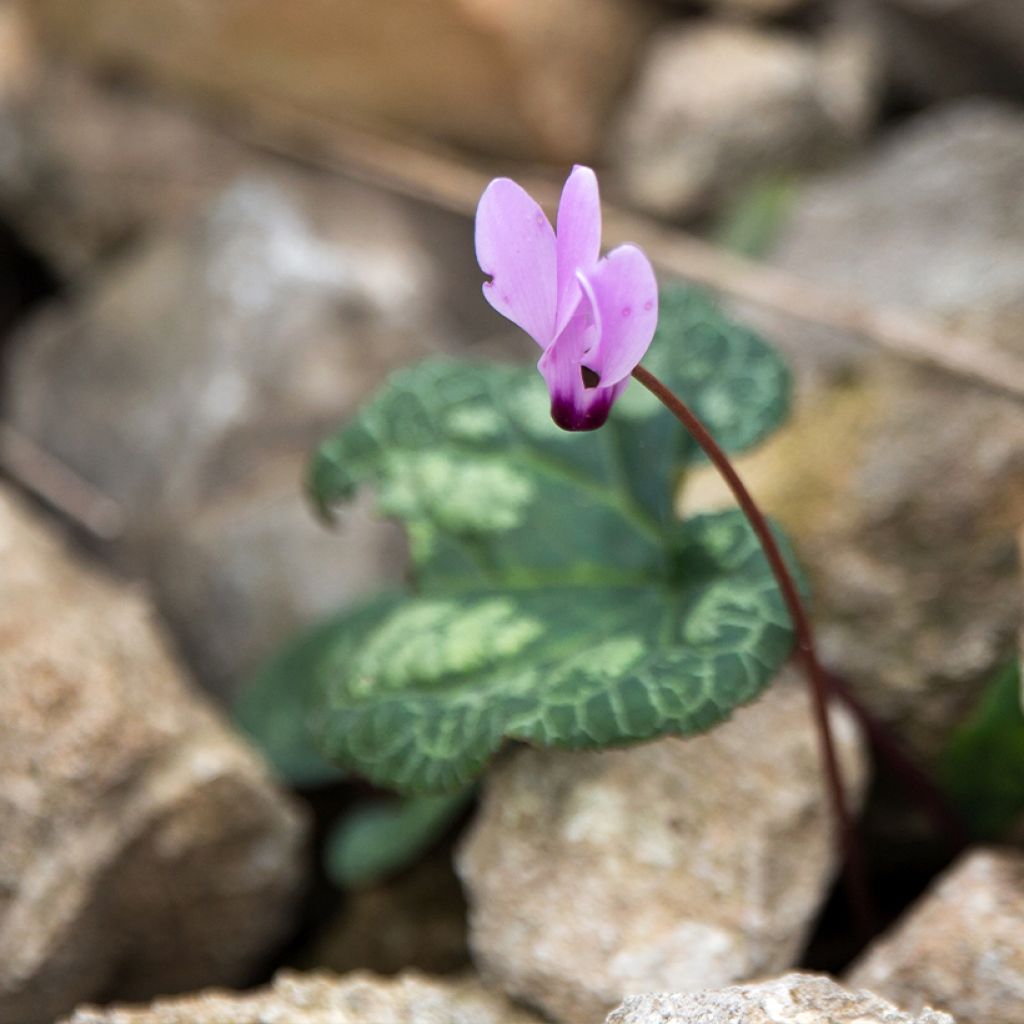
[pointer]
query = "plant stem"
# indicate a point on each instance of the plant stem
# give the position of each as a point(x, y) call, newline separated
point(848, 840)
point(947, 822)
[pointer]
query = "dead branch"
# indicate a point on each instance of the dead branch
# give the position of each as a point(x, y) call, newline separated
point(58, 485)
point(446, 180)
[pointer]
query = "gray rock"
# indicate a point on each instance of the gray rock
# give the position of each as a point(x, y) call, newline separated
point(938, 49)
point(718, 105)
point(414, 920)
point(143, 848)
point(85, 168)
point(961, 947)
point(323, 998)
point(192, 381)
point(903, 488)
point(673, 865)
point(792, 999)
point(932, 219)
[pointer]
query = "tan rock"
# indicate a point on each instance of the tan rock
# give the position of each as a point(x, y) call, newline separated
point(323, 998)
point(961, 947)
point(18, 56)
point(903, 489)
point(907, 537)
point(86, 168)
point(216, 358)
point(675, 865)
point(756, 8)
point(796, 998)
point(718, 105)
point(143, 847)
point(417, 920)
point(529, 78)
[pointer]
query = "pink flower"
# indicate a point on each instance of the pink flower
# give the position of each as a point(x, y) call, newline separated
point(594, 318)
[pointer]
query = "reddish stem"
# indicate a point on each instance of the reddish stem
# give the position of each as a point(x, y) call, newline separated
point(849, 844)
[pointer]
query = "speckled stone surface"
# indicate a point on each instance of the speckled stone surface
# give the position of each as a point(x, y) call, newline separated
point(321, 998)
point(793, 999)
point(671, 866)
point(961, 947)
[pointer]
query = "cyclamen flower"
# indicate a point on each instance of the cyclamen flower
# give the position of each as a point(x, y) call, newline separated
point(594, 318)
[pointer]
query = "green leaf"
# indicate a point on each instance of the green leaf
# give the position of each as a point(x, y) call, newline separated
point(983, 766)
point(277, 707)
point(380, 838)
point(559, 602)
point(421, 693)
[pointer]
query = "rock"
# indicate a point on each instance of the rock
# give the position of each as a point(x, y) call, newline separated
point(143, 848)
point(86, 168)
point(1020, 635)
point(322, 998)
point(931, 220)
point(938, 49)
point(719, 105)
point(674, 865)
point(18, 56)
point(902, 488)
point(754, 8)
point(803, 998)
point(216, 358)
point(417, 919)
point(531, 79)
point(961, 947)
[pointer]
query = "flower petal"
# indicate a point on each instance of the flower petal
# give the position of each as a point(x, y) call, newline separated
point(578, 238)
point(515, 246)
point(574, 404)
point(623, 294)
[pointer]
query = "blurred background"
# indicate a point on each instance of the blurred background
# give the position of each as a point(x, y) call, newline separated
point(222, 224)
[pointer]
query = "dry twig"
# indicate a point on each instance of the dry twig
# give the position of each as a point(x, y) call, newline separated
point(50, 479)
point(450, 182)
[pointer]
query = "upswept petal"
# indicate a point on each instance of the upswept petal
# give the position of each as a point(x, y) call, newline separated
point(578, 239)
point(515, 246)
point(574, 404)
point(623, 293)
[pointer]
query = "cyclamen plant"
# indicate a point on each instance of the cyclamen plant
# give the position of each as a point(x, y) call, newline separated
point(557, 600)
point(595, 320)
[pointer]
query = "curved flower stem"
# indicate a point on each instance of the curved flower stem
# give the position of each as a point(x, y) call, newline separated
point(850, 848)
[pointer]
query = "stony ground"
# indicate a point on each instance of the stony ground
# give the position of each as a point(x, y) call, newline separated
point(184, 311)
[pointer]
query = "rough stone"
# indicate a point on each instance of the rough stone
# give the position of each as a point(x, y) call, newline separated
point(85, 168)
point(216, 358)
point(803, 998)
point(143, 848)
point(415, 920)
point(903, 489)
point(759, 9)
point(961, 947)
point(323, 998)
point(718, 105)
point(669, 866)
point(939, 49)
point(528, 78)
point(932, 221)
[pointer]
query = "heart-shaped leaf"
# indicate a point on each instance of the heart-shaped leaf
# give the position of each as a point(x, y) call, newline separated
point(419, 693)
